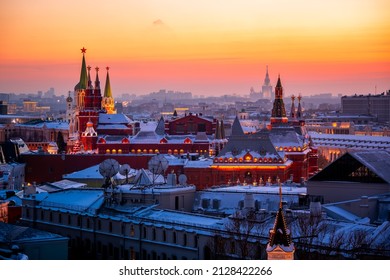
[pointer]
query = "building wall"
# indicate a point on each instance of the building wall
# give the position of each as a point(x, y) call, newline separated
point(340, 191)
point(101, 237)
point(49, 168)
point(368, 104)
point(190, 124)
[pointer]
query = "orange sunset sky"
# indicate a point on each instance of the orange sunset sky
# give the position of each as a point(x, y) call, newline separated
point(208, 47)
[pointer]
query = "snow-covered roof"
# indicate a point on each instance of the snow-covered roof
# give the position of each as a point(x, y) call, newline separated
point(91, 173)
point(87, 200)
point(350, 141)
point(182, 218)
point(229, 198)
point(148, 126)
point(67, 184)
point(144, 177)
point(111, 126)
point(200, 163)
point(50, 125)
point(147, 136)
point(285, 137)
point(19, 234)
point(378, 162)
point(339, 213)
point(114, 119)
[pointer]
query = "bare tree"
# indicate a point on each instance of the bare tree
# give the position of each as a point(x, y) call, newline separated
point(244, 230)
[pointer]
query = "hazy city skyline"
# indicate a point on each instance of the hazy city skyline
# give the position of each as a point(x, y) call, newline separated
point(214, 48)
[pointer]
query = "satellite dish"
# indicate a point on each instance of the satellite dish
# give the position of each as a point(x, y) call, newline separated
point(182, 179)
point(125, 170)
point(108, 168)
point(158, 164)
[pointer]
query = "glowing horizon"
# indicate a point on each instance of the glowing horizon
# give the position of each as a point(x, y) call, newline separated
point(214, 48)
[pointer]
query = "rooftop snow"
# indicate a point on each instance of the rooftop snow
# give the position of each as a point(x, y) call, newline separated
point(89, 200)
point(114, 119)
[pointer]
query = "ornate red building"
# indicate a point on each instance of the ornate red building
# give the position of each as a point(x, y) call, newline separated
point(282, 152)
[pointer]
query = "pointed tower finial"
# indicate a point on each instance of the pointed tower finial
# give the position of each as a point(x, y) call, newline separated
point(237, 128)
point(278, 114)
point(82, 84)
point(292, 112)
point(108, 101)
point(107, 89)
point(267, 79)
point(299, 110)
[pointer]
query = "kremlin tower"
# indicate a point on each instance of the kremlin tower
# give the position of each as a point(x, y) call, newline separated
point(87, 104)
point(278, 115)
point(108, 101)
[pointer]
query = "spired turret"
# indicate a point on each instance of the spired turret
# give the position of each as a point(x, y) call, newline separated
point(97, 94)
point(280, 245)
point(278, 110)
point(108, 101)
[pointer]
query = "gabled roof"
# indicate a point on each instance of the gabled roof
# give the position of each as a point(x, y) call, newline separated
point(146, 136)
point(146, 178)
point(259, 142)
point(160, 129)
point(201, 137)
point(280, 234)
point(114, 119)
point(237, 128)
point(285, 137)
point(368, 167)
point(378, 162)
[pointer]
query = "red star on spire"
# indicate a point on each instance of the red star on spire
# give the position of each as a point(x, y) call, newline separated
point(107, 68)
point(97, 69)
point(83, 50)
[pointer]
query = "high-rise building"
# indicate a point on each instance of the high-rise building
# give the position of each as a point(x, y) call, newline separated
point(377, 105)
point(266, 89)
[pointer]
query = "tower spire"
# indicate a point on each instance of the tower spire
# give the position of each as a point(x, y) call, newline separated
point(97, 81)
point(89, 77)
point(83, 73)
point(108, 101)
point(278, 110)
point(292, 113)
point(107, 88)
point(299, 111)
point(266, 80)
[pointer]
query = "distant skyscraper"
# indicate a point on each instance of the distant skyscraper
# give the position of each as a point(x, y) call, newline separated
point(266, 89)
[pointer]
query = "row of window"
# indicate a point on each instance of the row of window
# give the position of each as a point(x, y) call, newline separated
point(148, 232)
point(152, 151)
point(248, 159)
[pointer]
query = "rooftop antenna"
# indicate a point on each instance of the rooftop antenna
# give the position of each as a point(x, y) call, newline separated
point(125, 170)
point(108, 168)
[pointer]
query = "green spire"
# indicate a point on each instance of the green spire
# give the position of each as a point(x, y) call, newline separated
point(107, 89)
point(83, 74)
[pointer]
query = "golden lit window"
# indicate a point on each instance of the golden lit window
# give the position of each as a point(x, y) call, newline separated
point(108, 151)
